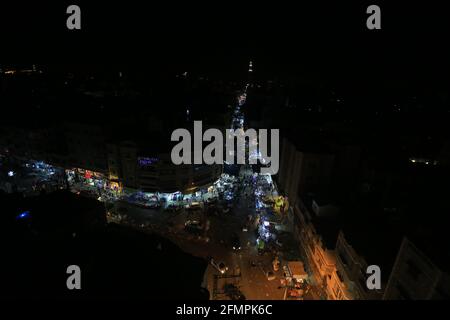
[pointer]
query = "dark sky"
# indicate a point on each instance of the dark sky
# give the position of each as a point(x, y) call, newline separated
point(325, 41)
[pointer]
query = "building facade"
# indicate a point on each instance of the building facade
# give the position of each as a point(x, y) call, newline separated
point(415, 277)
point(320, 258)
point(303, 171)
point(351, 273)
point(136, 170)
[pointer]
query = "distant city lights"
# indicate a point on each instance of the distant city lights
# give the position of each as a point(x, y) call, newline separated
point(423, 161)
point(24, 215)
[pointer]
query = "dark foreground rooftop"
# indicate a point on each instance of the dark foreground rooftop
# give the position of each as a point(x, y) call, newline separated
point(115, 261)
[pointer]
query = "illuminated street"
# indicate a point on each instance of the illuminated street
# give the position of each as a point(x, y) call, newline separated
point(245, 209)
point(247, 268)
point(270, 154)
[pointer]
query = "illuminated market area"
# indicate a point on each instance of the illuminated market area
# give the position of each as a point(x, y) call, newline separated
point(223, 159)
point(230, 215)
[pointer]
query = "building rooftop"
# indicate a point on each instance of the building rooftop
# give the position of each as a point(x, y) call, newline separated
point(56, 231)
point(327, 227)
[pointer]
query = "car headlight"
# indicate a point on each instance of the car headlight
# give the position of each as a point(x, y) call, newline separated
point(234, 248)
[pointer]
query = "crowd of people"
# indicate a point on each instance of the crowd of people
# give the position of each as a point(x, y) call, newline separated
point(29, 177)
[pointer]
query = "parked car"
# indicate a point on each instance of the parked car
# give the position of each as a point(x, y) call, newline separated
point(233, 292)
point(270, 276)
point(173, 208)
point(225, 209)
point(194, 206)
point(193, 226)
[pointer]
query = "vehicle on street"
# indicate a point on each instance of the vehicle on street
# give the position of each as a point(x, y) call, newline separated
point(193, 226)
point(235, 242)
point(155, 205)
point(270, 276)
point(247, 224)
point(221, 267)
point(88, 193)
point(194, 206)
point(233, 292)
point(173, 208)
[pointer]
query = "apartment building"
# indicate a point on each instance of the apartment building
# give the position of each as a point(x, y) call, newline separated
point(415, 277)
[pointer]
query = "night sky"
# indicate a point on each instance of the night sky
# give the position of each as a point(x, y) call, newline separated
point(321, 43)
point(320, 76)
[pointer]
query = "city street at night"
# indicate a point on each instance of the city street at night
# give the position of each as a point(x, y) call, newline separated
point(223, 160)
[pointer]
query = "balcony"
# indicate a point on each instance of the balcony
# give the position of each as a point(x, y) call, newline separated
point(341, 261)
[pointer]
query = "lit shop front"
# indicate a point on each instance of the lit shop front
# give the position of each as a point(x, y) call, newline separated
point(180, 199)
point(92, 179)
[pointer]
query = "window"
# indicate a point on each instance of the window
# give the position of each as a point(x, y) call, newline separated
point(403, 292)
point(343, 257)
point(149, 169)
point(337, 292)
point(413, 270)
point(363, 283)
point(312, 248)
point(339, 275)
